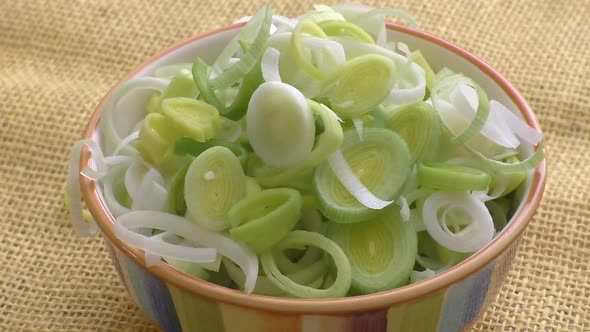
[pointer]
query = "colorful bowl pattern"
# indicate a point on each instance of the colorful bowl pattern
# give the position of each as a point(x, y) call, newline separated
point(451, 309)
point(451, 301)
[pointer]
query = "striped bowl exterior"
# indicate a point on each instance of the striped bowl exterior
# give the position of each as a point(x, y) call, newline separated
point(447, 310)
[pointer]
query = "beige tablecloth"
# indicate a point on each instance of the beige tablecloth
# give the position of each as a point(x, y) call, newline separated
point(58, 58)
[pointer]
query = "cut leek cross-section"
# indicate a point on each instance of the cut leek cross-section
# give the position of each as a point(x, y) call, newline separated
point(361, 84)
point(191, 118)
point(419, 125)
point(272, 211)
point(213, 184)
point(449, 177)
point(381, 251)
point(298, 239)
point(381, 162)
point(301, 54)
point(336, 28)
point(280, 124)
point(462, 105)
point(238, 107)
point(182, 85)
point(326, 143)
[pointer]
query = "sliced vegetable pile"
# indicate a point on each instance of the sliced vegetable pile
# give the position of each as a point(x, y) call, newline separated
point(337, 160)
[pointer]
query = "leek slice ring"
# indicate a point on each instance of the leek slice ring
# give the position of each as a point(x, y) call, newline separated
point(214, 182)
point(309, 27)
point(262, 219)
point(297, 239)
point(361, 84)
point(449, 177)
point(372, 270)
point(382, 163)
point(335, 28)
point(327, 142)
point(419, 125)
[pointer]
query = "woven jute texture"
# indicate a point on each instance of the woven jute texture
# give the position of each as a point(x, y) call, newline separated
point(58, 58)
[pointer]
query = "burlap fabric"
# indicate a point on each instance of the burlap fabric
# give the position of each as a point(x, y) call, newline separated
point(58, 58)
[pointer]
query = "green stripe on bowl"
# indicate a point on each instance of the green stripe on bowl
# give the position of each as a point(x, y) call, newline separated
point(249, 320)
point(195, 313)
point(420, 315)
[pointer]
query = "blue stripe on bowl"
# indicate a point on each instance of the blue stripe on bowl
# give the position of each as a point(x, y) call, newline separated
point(464, 300)
point(153, 296)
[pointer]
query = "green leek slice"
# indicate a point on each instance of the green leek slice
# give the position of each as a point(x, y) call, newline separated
point(513, 179)
point(155, 139)
point(300, 55)
point(306, 276)
point(419, 125)
point(176, 202)
point(213, 184)
point(361, 84)
point(191, 118)
point(381, 161)
point(326, 143)
point(338, 28)
point(262, 219)
point(229, 130)
point(182, 85)
point(280, 124)
point(381, 251)
point(447, 87)
point(510, 168)
point(419, 59)
point(449, 177)
point(261, 23)
point(297, 239)
point(252, 186)
point(238, 107)
point(187, 146)
point(499, 209)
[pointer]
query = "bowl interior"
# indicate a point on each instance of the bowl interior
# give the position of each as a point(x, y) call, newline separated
point(439, 54)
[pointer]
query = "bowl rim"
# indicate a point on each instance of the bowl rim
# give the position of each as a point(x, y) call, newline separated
point(344, 305)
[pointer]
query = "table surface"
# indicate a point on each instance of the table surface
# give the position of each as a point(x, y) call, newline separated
point(58, 58)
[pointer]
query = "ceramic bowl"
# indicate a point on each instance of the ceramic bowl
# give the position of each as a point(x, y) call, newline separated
point(450, 301)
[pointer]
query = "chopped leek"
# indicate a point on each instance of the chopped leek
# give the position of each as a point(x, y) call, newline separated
point(214, 182)
point(239, 254)
point(474, 236)
point(317, 147)
point(280, 124)
point(419, 125)
point(462, 105)
point(274, 211)
point(191, 118)
point(361, 84)
point(182, 85)
point(311, 28)
point(261, 23)
point(449, 177)
point(297, 239)
point(379, 165)
point(381, 251)
point(332, 28)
